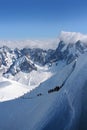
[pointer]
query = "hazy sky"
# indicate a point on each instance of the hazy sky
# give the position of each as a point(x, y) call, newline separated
point(39, 19)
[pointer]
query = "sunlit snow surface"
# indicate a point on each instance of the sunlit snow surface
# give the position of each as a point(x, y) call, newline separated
point(62, 110)
point(10, 89)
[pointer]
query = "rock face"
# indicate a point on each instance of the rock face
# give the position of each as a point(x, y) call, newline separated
point(37, 55)
point(22, 64)
point(67, 52)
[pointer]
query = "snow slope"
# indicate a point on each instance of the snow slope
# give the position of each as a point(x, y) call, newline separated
point(55, 80)
point(10, 89)
point(60, 110)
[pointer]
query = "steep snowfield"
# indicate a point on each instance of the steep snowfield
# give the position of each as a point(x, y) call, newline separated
point(61, 110)
point(56, 80)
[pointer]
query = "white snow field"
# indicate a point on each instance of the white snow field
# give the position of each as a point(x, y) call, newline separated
point(34, 78)
point(65, 109)
point(10, 89)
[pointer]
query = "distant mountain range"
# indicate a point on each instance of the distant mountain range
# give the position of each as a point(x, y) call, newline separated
point(26, 59)
point(44, 89)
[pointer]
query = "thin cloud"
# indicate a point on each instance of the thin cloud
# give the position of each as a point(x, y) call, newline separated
point(72, 37)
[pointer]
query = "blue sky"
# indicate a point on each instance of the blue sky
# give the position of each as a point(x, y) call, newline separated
point(41, 19)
